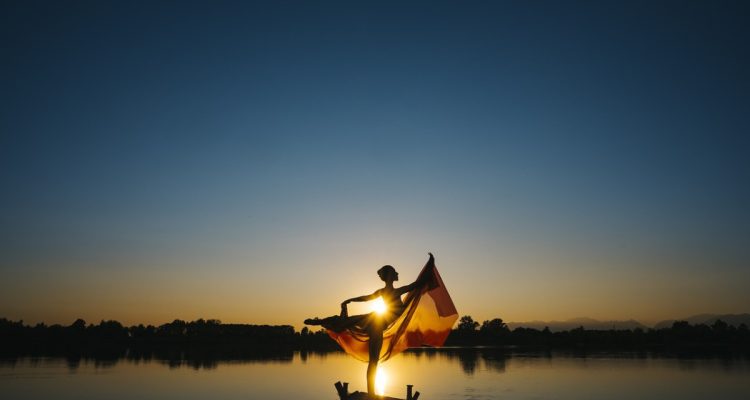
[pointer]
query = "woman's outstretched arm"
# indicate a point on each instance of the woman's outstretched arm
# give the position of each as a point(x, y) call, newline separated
point(366, 297)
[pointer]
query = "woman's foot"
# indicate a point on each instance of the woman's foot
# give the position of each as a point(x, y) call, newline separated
point(313, 321)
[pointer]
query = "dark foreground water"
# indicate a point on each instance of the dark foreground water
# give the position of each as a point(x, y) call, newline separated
point(444, 374)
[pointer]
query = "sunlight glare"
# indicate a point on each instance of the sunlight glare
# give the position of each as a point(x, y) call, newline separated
point(378, 305)
point(381, 379)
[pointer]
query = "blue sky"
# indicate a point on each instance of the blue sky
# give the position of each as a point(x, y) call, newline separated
point(207, 159)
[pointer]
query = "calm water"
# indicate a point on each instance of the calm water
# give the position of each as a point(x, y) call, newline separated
point(445, 374)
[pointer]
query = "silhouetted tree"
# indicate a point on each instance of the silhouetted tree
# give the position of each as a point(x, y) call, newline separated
point(78, 325)
point(719, 326)
point(109, 330)
point(466, 323)
point(495, 326)
point(493, 331)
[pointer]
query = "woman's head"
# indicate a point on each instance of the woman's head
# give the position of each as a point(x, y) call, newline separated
point(388, 273)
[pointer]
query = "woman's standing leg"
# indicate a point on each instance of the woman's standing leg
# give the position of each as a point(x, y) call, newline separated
point(376, 344)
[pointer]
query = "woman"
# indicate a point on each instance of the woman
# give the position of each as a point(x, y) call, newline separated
point(375, 323)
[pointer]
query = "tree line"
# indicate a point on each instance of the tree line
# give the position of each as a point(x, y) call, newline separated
point(41, 338)
point(15, 335)
point(495, 332)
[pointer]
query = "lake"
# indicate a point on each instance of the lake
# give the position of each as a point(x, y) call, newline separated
point(438, 374)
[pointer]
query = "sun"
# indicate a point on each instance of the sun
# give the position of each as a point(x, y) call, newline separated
point(378, 306)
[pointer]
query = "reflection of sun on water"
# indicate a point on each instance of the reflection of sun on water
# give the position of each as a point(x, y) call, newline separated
point(381, 379)
point(378, 305)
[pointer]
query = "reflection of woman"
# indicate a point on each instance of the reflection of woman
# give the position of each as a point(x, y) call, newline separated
point(375, 323)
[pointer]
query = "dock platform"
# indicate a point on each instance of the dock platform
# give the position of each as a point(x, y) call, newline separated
point(342, 389)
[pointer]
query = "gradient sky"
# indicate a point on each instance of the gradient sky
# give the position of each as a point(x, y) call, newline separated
point(257, 162)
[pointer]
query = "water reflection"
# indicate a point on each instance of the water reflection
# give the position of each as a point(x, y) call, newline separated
point(448, 374)
point(197, 357)
point(470, 360)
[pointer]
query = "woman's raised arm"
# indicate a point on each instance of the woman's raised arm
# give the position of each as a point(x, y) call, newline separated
point(421, 281)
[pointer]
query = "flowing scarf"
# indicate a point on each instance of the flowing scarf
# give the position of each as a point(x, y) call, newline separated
point(427, 320)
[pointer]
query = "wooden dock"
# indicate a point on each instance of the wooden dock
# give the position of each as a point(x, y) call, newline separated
point(343, 391)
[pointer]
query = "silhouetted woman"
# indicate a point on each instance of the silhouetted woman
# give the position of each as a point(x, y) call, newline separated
point(374, 323)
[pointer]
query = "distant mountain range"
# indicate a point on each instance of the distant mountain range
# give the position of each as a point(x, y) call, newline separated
point(709, 319)
point(593, 324)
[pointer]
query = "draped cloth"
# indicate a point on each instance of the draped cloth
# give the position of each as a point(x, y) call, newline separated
point(426, 320)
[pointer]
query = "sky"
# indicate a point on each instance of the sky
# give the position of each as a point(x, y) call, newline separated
point(257, 162)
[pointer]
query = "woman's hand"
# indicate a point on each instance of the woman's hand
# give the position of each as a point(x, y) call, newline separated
point(344, 311)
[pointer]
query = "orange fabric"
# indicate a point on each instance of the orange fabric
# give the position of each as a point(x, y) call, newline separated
point(426, 321)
